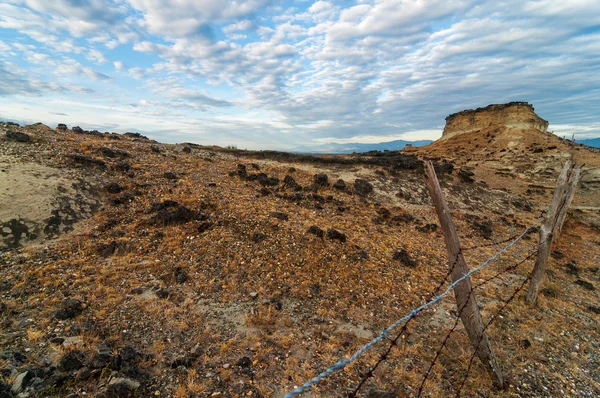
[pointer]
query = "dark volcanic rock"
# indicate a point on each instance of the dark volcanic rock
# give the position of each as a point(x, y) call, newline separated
point(170, 176)
point(241, 170)
point(77, 129)
point(17, 136)
point(119, 387)
point(340, 185)
point(186, 149)
point(109, 153)
point(72, 360)
point(404, 258)
point(123, 167)
point(264, 180)
point(61, 126)
point(585, 284)
point(87, 160)
point(172, 216)
point(258, 237)
point(316, 231)
point(70, 309)
point(107, 249)
point(114, 187)
point(279, 215)
point(321, 180)
point(362, 187)
point(180, 275)
point(336, 235)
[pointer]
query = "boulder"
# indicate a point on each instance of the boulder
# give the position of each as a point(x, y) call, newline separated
point(17, 136)
point(362, 187)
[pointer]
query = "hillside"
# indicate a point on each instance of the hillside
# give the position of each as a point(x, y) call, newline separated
point(134, 267)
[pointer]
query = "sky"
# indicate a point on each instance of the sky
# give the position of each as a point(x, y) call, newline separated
point(262, 74)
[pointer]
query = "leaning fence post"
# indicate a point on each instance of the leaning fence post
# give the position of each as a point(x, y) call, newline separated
point(469, 315)
point(561, 199)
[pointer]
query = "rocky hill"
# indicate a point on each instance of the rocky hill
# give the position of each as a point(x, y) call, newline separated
point(134, 268)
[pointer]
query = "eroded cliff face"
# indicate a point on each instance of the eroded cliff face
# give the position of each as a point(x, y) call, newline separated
point(519, 115)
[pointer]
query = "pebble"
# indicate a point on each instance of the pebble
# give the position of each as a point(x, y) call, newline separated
point(226, 366)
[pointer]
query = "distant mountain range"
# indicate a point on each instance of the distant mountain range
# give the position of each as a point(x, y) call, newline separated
point(593, 142)
point(335, 147)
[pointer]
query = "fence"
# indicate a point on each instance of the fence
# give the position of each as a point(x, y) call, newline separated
point(468, 310)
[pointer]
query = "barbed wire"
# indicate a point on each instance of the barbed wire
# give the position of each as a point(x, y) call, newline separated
point(344, 362)
point(492, 319)
point(457, 320)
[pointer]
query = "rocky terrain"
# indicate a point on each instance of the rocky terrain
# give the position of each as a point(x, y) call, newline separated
point(134, 268)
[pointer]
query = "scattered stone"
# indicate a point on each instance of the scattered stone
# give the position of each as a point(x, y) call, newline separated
point(77, 129)
point(241, 170)
point(123, 167)
point(427, 228)
point(114, 188)
point(255, 166)
point(336, 235)
point(83, 374)
point(595, 310)
point(57, 340)
point(315, 231)
point(340, 185)
point(109, 153)
point(586, 285)
point(17, 136)
point(466, 176)
point(484, 228)
point(226, 366)
point(265, 191)
point(321, 180)
point(362, 187)
point(572, 268)
point(185, 361)
point(244, 362)
point(120, 387)
point(162, 293)
point(264, 180)
point(180, 275)
point(186, 149)
point(155, 149)
point(72, 360)
point(404, 258)
point(170, 176)
point(173, 216)
point(107, 249)
point(70, 309)
point(21, 382)
point(61, 126)
point(205, 226)
point(524, 344)
point(279, 215)
point(87, 160)
point(549, 292)
point(291, 170)
point(254, 295)
point(258, 237)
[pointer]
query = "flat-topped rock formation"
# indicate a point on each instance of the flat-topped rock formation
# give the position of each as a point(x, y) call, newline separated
point(519, 115)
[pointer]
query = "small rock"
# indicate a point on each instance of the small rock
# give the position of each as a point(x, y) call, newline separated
point(226, 366)
point(113, 188)
point(77, 129)
point(83, 374)
point(524, 344)
point(17, 136)
point(362, 187)
point(180, 275)
point(258, 237)
point(121, 387)
point(255, 166)
point(244, 362)
point(586, 285)
point(170, 175)
point(109, 153)
point(87, 160)
point(162, 293)
point(315, 231)
point(21, 382)
point(186, 149)
point(70, 309)
point(71, 361)
point(404, 258)
point(61, 126)
point(336, 235)
point(279, 215)
point(321, 180)
point(254, 295)
point(340, 185)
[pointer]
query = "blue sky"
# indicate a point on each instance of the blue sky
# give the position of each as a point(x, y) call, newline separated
point(283, 74)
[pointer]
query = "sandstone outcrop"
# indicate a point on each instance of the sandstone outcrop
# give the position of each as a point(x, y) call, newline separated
point(519, 115)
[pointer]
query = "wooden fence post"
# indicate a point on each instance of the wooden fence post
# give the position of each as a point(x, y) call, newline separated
point(465, 299)
point(561, 200)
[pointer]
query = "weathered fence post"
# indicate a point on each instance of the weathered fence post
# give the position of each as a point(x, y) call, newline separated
point(561, 200)
point(465, 299)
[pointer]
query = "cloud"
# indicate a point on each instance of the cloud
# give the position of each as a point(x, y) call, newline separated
point(308, 71)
